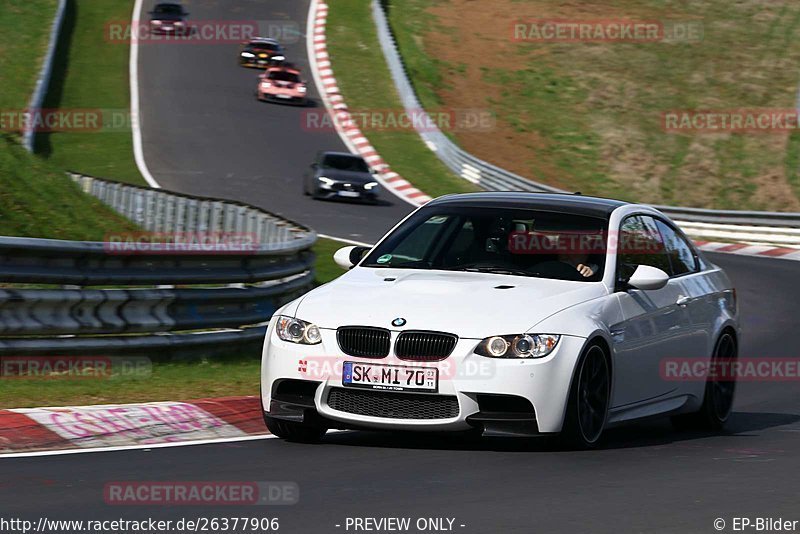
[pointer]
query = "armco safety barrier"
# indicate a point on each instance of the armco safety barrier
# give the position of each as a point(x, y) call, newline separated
point(43, 81)
point(251, 283)
point(491, 177)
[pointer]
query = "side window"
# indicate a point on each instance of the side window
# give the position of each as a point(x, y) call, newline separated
point(680, 253)
point(640, 243)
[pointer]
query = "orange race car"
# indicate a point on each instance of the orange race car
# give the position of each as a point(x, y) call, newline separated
point(281, 84)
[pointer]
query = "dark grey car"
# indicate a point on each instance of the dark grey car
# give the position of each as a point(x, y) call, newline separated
point(340, 175)
point(169, 18)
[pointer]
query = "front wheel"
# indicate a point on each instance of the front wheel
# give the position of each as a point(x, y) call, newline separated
point(589, 396)
point(719, 391)
point(291, 431)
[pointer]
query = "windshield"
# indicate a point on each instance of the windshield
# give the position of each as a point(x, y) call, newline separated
point(283, 76)
point(168, 9)
point(498, 240)
point(343, 162)
point(265, 47)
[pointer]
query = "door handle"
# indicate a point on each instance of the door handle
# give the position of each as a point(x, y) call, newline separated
point(683, 301)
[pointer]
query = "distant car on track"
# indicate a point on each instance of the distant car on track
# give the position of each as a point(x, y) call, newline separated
point(169, 19)
point(281, 84)
point(511, 314)
point(261, 52)
point(340, 175)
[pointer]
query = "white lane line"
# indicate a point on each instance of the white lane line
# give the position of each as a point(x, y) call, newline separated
point(134, 447)
point(133, 75)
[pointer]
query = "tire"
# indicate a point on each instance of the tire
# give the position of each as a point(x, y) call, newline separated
point(588, 402)
point(718, 395)
point(297, 432)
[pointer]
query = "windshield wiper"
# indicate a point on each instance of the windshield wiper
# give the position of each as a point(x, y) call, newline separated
point(494, 270)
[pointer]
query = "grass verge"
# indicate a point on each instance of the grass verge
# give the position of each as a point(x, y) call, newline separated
point(588, 115)
point(166, 381)
point(24, 33)
point(366, 84)
point(91, 72)
point(36, 199)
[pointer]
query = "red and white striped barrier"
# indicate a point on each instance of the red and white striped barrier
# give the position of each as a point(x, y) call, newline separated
point(110, 426)
point(744, 249)
point(334, 102)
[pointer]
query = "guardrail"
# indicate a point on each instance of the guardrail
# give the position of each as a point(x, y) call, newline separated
point(492, 177)
point(276, 267)
point(43, 81)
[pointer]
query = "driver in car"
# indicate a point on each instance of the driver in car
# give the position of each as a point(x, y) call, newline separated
point(580, 262)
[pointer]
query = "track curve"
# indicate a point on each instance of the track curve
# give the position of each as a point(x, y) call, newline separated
point(204, 133)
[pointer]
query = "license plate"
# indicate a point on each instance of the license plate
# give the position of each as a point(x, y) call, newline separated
point(283, 96)
point(351, 194)
point(390, 377)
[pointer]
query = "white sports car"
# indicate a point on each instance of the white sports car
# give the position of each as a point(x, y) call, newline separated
point(512, 314)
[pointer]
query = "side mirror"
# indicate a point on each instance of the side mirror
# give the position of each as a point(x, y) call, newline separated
point(348, 257)
point(647, 278)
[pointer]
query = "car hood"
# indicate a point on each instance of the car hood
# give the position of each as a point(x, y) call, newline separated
point(354, 177)
point(470, 305)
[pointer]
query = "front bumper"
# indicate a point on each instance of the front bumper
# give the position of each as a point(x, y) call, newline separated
point(469, 379)
point(169, 30)
point(346, 194)
point(254, 62)
point(283, 98)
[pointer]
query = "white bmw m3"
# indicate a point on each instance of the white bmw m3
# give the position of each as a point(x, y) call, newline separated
point(511, 314)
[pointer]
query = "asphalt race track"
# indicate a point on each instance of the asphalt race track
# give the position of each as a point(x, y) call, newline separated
point(648, 477)
point(206, 135)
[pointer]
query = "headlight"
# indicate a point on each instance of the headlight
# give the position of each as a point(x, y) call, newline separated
point(266, 84)
point(302, 89)
point(325, 180)
point(156, 22)
point(371, 185)
point(278, 58)
point(518, 346)
point(178, 23)
point(297, 331)
point(248, 54)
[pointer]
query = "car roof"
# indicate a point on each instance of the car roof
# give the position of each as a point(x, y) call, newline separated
point(268, 40)
point(560, 202)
